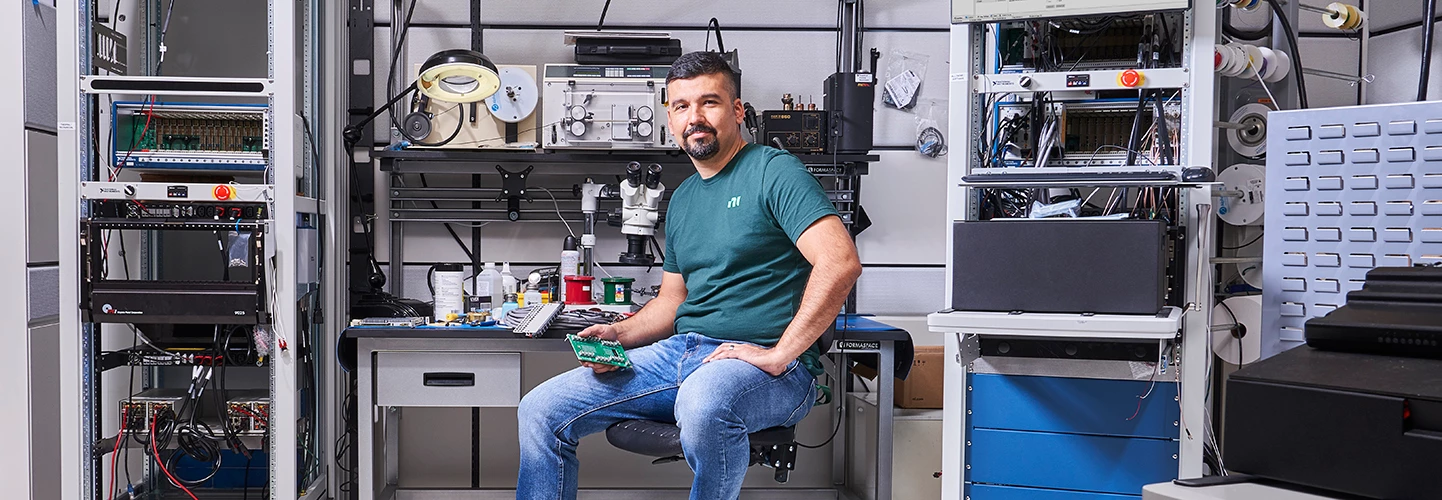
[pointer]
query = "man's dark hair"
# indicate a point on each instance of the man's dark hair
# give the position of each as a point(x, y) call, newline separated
point(694, 64)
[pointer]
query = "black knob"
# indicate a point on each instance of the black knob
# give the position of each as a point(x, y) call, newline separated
point(129, 190)
point(1025, 82)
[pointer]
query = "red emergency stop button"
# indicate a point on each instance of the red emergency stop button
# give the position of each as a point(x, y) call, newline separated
point(222, 192)
point(1130, 78)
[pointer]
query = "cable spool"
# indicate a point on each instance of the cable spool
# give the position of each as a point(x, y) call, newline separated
point(1247, 324)
point(1248, 61)
point(1246, 4)
point(1250, 140)
point(1251, 181)
point(1282, 65)
point(1343, 16)
point(517, 97)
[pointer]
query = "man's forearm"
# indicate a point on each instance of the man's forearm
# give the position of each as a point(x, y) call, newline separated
point(655, 321)
point(826, 291)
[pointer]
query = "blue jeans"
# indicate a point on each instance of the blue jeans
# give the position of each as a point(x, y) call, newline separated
point(715, 404)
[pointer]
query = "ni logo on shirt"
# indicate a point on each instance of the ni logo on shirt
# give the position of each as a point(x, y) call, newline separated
point(735, 202)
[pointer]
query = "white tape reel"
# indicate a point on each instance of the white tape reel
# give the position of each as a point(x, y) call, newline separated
point(1344, 17)
point(1248, 315)
point(1249, 180)
point(1251, 139)
point(517, 97)
point(1249, 61)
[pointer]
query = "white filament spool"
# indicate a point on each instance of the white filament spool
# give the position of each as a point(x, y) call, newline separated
point(1283, 65)
point(1248, 318)
point(1251, 140)
point(1249, 180)
point(1254, 62)
point(1343, 16)
point(1267, 67)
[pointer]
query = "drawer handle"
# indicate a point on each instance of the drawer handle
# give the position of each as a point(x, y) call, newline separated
point(450, 379)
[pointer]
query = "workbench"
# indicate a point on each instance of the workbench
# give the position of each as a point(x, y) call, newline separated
point(1239, 491)
point(480, 367)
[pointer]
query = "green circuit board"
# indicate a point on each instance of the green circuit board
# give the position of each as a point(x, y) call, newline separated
point(594, 350)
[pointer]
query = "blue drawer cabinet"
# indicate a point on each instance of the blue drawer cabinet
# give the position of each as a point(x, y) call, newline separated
point(1056, 438)
point(1076, 405)
point(1070, 461)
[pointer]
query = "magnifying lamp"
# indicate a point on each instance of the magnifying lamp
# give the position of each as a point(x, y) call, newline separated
point(459, 76)
point(456, 75)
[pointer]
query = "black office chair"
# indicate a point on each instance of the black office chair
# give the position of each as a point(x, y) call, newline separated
point(774, 447)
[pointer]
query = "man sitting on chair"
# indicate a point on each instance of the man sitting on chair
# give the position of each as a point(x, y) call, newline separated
point(756, 269)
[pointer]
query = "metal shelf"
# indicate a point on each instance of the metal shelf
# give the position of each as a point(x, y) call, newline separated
point(458, 161)
point(1163, 326)
point(1076, 176)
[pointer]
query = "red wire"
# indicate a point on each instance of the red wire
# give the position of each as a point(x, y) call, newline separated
point(115, 454)
point(148, 115)
point(265, 421)
point(1140, 398)
point(162, 463)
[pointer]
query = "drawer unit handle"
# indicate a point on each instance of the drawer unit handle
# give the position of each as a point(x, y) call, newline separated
point(450, 379)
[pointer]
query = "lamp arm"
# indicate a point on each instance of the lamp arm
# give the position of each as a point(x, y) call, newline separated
point(352, 134)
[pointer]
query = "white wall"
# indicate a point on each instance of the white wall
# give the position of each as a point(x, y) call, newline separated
point(903, 195)
point(784, 48)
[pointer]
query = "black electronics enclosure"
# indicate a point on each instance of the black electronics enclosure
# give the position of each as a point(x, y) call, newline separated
point(1398, 311)
point(850, 99)
point(231, 290)
point(1059, 266)
point(648, 51)
point(795, 131)
point(1360, 424)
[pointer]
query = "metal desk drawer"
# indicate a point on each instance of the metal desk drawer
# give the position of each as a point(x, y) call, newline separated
point(447, 378)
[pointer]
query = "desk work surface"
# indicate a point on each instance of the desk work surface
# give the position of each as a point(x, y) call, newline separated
point(1239, 491)
point(848, 327)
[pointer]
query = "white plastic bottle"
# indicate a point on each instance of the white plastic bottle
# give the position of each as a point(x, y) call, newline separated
point(447, 281)
point(508, 281)
point(533, 292)
point(487, 285)
point(570, 264)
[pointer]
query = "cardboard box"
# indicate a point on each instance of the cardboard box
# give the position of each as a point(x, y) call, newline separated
point(922, 388)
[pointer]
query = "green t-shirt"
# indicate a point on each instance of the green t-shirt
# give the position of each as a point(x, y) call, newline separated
point(733, 239)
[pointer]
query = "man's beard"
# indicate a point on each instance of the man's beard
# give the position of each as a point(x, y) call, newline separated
point(702, 149)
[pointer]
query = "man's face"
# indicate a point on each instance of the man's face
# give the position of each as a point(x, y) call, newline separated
point(704, 115)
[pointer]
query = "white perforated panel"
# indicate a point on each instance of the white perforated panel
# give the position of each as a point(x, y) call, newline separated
point(1351, 189)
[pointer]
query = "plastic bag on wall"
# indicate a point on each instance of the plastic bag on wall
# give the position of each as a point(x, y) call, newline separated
point(904, 74)
point(931, 116)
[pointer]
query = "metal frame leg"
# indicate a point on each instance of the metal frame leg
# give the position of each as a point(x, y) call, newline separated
point(365, 486)
point(839, 398)
point(397, 258)
point(884, 420)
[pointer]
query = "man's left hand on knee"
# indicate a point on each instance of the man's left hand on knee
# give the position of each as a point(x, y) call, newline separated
point(770, 361)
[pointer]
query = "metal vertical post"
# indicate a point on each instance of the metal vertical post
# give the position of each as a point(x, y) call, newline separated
point(1198, 110)
point(72, 44)
point(361, 172)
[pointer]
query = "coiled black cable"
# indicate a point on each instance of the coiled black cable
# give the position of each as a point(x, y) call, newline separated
point(1296, 53)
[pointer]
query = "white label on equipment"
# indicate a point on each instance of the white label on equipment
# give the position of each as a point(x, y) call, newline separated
point(66, 126)
point(863, 78)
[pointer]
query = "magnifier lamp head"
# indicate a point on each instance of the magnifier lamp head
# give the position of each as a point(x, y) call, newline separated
point(459, 76)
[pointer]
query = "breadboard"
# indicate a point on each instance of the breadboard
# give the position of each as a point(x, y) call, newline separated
point(538, 320)
point(594, 350)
